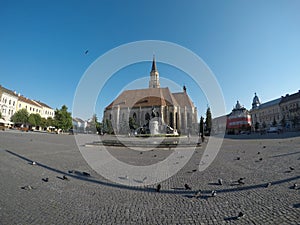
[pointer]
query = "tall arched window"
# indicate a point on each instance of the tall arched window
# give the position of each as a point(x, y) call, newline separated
point(147, 116)
point(176, 121)
point(171, 120)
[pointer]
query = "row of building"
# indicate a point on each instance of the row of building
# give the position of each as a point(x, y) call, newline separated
point(282, 113)
point(11, 102)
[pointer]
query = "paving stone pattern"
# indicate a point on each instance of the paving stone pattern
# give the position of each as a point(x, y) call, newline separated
point(95, 200)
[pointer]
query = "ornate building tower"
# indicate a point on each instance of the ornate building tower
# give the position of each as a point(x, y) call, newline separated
point(154, 76)
point(255, 102)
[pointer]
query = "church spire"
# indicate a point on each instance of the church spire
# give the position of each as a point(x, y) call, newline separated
point(154, 64)
point(154, 76)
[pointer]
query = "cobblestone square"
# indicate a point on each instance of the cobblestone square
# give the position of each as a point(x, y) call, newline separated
point(26, 196)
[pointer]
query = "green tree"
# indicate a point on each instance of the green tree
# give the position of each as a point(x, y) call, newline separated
point(50, 122)
point(132, 124)
point(107, 127)
point(20, 116)
point(208, 122)
point(94, 125)
point(31, 120)
point(201, 126)
point(62, 118)
point(35, 119)
point(43, 122)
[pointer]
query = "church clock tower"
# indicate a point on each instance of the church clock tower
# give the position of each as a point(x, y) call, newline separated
point(154, 76)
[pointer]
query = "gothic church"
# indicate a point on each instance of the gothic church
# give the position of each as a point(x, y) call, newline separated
point(175, 112)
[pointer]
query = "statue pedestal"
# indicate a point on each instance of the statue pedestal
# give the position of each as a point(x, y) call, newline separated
point(153, 126)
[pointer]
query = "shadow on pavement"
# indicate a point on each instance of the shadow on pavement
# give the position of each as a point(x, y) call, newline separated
point(149, 189)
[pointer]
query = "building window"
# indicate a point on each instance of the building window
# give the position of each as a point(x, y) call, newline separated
point(147, 117)
point(171, 119)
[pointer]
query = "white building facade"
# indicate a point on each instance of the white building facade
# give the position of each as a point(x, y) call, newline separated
point(11, 102)
point(8, 103)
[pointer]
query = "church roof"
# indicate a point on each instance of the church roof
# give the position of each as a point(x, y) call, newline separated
point(151, 97)
point(183, 99)
point(144, 98)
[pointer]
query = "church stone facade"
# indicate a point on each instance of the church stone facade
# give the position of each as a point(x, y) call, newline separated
point(174, 112)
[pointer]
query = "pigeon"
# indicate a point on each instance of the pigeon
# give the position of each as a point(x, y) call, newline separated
point(158, 187)
point(65, 178)
point(187, 187)
point(194, 170)
point(154, 155)
point(292, 168)
point(240, 215)
point(86, 52)
point(144, 179)
point(86, 174)
point(258, 153)
point(264, 146)
point(260, 159)
point(45, 179)
point(213, 193)
point(238, 158)
point(197, 194)
point(141, 152)
point(124, 178)
point(220, 181)
point(33, 163)
point(268, 185)
point(28, 187)
point(240, 181)
point(295, 186)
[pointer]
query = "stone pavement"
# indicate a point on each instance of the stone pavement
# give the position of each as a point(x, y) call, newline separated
point(95, 200)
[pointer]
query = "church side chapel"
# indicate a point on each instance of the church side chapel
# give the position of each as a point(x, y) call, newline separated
point(154, 110)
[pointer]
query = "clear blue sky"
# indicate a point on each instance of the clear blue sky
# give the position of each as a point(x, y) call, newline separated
point(251, 46)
